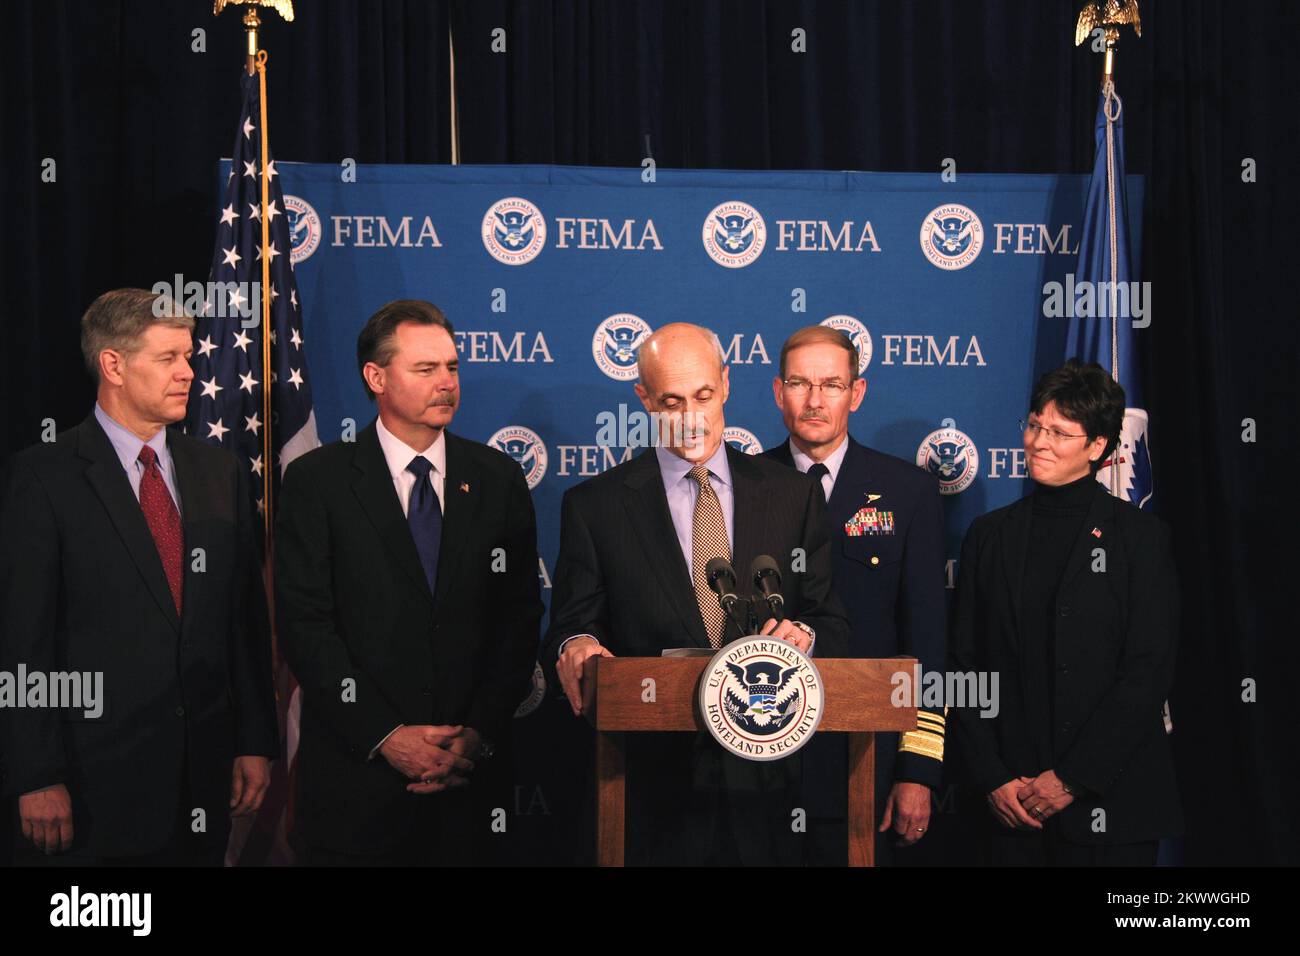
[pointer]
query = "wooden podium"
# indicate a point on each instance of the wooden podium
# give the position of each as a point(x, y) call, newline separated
point(857, 703)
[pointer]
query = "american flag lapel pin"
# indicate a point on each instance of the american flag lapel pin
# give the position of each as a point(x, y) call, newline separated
point(1096, 532)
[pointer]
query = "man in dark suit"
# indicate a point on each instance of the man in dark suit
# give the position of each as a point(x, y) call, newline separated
point(886, 528)
point(408, 607)
point(128, 551)
point(1071, 596)
point(629, 580)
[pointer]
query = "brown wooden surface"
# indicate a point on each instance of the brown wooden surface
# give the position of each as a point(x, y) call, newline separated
point(862, 799)
point(857, 694)
point(611, 794)
point(858, 703)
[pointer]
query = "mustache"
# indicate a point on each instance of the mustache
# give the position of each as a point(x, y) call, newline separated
point(448, 400)
point(813, 417)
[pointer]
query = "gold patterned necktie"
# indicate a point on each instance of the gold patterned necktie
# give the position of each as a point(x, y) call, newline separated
point(708, 541)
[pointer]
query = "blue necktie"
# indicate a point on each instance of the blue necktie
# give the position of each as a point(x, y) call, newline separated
point(424, 514)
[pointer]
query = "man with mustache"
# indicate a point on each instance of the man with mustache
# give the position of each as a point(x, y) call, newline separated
point(886, 527)
point(408, 608)
point(630, 581)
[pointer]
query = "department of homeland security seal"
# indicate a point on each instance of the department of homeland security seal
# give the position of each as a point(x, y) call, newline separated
point(951, 236)
point(304, 228)
point(950, 456)
point(1132, 460)
point(614, 345)
point(734, 234)
point(536, 694)
point(526, 447)
point(514, 231)
point(761, 698)
point(857, 333)
point(742, 439)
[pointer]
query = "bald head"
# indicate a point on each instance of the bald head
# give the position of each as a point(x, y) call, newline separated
point(684, 378)
point(676, 342)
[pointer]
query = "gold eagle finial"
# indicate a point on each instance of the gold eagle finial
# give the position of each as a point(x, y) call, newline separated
point(282, 7)
point(1110, 15)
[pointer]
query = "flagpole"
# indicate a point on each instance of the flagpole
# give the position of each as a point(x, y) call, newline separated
point(1108, 20)
point(251, 23)
point(267, 463)
point(455, 115)
point(255, 63)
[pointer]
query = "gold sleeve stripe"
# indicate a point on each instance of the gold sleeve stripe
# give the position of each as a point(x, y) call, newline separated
point(923, 743)
point(926, 719)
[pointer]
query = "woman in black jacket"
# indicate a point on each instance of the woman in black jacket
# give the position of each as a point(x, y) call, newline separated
point(1071, 597)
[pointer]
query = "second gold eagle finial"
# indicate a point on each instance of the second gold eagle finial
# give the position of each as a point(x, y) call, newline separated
point(282, 7)
point(1110, 15)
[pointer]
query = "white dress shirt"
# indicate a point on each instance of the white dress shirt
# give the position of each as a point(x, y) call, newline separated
point(683, 492)
point(398, 454)
point(128, 445)
point(832, 462)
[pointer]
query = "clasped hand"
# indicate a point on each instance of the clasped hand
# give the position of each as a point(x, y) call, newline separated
point(434, 757)
point(1025, 802)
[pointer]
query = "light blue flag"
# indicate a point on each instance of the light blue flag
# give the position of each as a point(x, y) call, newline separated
point(1109, 305)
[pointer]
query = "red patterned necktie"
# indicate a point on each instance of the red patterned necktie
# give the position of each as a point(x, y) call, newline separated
point(163, 519)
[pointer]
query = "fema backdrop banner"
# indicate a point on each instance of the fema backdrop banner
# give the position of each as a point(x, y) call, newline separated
point(553, 275)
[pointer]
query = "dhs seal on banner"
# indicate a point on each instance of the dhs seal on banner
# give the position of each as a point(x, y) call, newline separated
point(734, 234)
point(514, 231)
point(857, 333)
point(950, 456)
point(761, 698)
point(304, 228)
point(742, 439)
point(614, 345)
point(526, 447)
point(951, 236)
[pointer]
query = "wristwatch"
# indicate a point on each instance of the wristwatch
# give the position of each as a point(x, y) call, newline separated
point(812, 635)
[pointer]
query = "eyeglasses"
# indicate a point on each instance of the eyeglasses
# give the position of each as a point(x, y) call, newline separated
point(802, 387)
point(1053, 436)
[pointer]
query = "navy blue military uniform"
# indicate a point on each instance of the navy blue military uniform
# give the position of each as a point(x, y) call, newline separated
point(885, 522)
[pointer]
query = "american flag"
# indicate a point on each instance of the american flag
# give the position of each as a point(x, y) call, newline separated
point(225, 406)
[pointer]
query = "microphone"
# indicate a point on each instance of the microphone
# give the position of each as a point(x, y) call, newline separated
point(767, 582)
point(722, 578)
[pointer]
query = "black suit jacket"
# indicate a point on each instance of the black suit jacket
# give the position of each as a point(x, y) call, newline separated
point(892, 586)
point(353, 603)
point(1114, 642)
point(621, 576)
point(83, 589)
